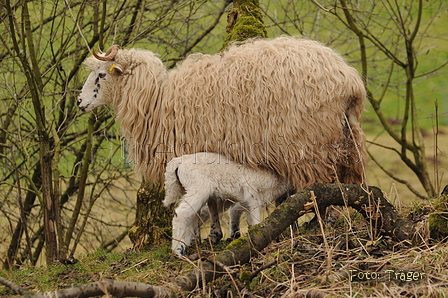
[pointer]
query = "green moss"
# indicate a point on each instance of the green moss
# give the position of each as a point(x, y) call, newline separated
point(247, 27)
point(237, 243)
point(153, 220)
point(244, 276)
point(252, 3)
point(438, 221)
point(248, 280)
point(245, 21)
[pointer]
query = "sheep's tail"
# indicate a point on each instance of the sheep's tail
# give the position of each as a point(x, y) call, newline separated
point(173, 187)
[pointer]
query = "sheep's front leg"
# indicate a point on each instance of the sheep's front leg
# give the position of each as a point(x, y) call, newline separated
point(235, 213)
point(197, 222)
point(254, 210)
point(215, 226)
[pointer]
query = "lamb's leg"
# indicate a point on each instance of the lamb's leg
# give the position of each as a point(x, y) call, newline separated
point(185, 222)
point(253, 216)
point(183, 226)
point(215, 226)
point(253, 208)
point(196, 236)
point(235, 213)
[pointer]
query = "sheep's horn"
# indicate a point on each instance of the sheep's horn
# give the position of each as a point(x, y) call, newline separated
point(110, 54)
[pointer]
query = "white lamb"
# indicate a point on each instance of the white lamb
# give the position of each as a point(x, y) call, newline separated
point(210, 177)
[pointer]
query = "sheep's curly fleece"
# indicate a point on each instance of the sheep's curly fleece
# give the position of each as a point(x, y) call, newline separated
point(289, 104)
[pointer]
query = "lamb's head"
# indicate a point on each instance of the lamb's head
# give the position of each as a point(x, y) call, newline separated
point(104, 73)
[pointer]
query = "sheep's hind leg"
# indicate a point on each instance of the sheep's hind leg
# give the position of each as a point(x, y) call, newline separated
point(254, 216)
point(185, 228)
point(179, 229)
point(215, 226)
point(186, 221)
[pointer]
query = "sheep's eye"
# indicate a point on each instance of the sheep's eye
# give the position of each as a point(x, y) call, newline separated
point(102, 75)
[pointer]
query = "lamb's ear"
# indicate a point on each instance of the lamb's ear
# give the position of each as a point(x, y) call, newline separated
point(116, 69)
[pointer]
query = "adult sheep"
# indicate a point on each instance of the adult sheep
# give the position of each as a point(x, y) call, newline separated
point(292, 105)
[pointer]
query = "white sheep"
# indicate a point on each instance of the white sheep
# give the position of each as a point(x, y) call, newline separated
point(210, 177)
point(286, 104)
point(290, 106)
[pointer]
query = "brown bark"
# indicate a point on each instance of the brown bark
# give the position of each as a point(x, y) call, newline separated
point(152, 219)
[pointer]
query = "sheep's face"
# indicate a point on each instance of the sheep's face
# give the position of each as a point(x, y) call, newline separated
point(95, 90)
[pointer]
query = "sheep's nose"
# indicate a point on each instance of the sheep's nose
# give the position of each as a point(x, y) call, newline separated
point(79, 101)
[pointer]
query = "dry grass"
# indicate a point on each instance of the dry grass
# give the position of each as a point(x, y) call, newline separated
point(347, 264)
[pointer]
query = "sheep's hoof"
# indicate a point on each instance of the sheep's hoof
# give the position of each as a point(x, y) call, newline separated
point(215, 237)
point(180, 251)
point(235, 235)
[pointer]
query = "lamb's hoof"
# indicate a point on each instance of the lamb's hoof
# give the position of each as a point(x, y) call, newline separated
point(215, 237)
point(234, 236)
point(180, 251)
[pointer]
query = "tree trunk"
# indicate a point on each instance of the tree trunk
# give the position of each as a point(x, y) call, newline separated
point(112, 288)
point(244, 21)
point(152, 219)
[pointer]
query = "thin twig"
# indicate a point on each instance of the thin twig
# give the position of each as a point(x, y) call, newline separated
point(138, 264)
point(255, 273)
point(321, 6)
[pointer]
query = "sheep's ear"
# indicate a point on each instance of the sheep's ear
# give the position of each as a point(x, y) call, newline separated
point(116, 69)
